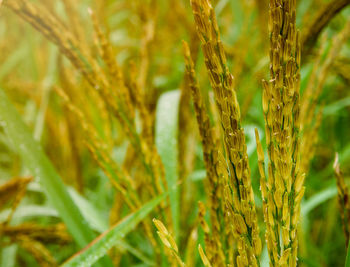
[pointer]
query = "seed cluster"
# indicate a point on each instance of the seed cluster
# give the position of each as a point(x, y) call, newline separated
point(168, 241)
point(238, 194)
point(214, 163)
point(283, 190)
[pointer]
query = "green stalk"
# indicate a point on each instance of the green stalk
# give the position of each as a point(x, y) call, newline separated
point(347, 261)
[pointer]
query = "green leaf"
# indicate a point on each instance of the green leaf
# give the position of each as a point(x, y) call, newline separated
point(347, 260)
point(99, 247)
point(89, 212)
point(41, 167)
point(334, 108)
point(137, 253)
point(29, 211)
point(166, 142)
point(318, 199)
point(8, 256)
point(264, 259)
point(99, 223)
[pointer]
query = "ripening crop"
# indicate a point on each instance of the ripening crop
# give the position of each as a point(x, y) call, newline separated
point(174, 133)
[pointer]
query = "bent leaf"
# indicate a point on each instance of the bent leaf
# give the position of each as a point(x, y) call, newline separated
point(166, 142)
point(99, 247)
point(318, 199)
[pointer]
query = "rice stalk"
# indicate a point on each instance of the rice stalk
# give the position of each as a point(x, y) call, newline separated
point(214, 163)
point(283, 190)
point(343, 199)
point(53, 29)
point(120, 178)
point(241, 204)
point(187, 138)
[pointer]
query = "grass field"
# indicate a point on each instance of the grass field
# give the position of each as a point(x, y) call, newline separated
point(174, 133)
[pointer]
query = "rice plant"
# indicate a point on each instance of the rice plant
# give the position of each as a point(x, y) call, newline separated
point(174, 133)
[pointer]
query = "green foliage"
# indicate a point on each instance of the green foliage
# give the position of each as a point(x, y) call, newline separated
point(166, 142)
point(100, 246)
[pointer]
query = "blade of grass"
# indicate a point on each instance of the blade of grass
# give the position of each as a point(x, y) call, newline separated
point(88, 211)
point(318, 199)
point(100, 224)
point(347, 260)
point(29, 211)
point(43, 170)
point(166, 142)
point(136, 252)
point(100, 246)
point(8, 256)
point(264, 259)
point(335, 107)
